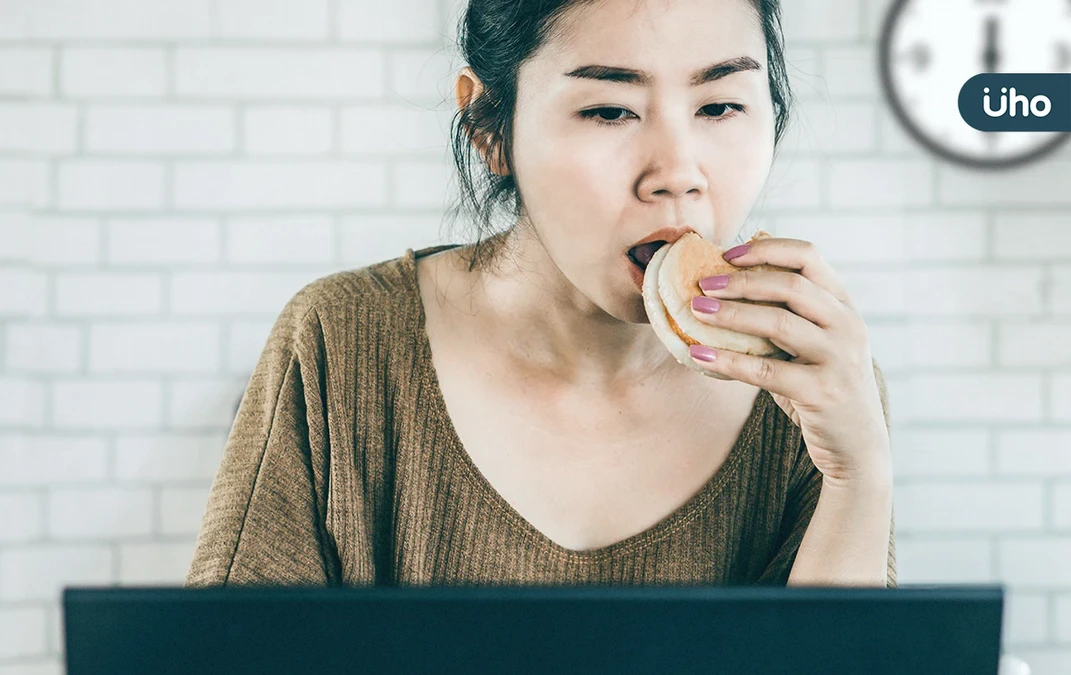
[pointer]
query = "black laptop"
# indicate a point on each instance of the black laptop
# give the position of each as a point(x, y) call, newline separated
point(910, 630)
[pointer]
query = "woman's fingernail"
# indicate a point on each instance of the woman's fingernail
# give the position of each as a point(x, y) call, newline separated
point(714, 283)
point(703, 353)
point(702, 303)
point(736, 251)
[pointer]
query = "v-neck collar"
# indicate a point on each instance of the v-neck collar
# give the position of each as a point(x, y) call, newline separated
point(677, 519)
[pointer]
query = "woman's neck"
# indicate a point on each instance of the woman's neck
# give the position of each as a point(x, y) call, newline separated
point(525, 304)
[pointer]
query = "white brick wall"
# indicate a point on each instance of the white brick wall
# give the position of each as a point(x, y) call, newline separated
point(76, 513)
point(37, 128)
point(24, 632)
point(162, 241)
point(110, 184)
point(25, 71)
point(105, 20)
point(279, 184)
point(288, 130)
point(146, 129)
point(273, 19)
point(39, 571)
point(101, 72)
point(172, 171)
point(255, 73)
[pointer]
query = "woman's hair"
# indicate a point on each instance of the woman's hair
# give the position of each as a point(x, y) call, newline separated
point(495, 37)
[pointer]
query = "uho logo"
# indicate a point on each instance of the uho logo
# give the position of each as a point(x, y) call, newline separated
point(1025, 102)
point(1029, 105)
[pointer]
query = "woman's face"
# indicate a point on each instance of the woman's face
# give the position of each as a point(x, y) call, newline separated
point(603, 164)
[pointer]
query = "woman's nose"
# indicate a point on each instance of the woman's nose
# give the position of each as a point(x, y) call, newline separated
point(673, 169)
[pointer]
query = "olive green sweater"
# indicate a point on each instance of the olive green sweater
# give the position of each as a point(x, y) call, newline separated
point(342, 467)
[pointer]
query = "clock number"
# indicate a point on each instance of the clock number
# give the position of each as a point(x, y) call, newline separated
point(918, 55)
point(991, 140)
point(1063, 56)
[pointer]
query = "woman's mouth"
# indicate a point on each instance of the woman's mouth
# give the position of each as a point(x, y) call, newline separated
point(641, 255)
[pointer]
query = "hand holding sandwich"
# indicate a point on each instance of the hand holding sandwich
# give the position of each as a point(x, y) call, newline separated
point(778, 317)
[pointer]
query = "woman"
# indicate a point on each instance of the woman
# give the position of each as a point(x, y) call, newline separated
point(503, 413)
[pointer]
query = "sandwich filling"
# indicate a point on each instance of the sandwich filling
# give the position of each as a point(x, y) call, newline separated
point(677, 329)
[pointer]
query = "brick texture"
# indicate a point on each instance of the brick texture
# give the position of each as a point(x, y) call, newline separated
point(172, 171)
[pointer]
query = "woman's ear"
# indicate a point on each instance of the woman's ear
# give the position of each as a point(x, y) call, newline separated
point(468, 89)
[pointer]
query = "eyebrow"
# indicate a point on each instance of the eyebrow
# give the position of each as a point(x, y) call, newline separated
point(710, 73)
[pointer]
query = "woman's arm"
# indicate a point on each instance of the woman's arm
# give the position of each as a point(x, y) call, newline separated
point(850, 539)
point(836, 529)
point(265, 520)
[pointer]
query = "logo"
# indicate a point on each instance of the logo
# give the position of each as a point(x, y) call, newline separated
point(1017, 102)
point(1031, 105)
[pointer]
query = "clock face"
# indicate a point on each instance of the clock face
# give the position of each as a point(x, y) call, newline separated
point(929, 48)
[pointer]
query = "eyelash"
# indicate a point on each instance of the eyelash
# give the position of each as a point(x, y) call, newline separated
point(593, 114)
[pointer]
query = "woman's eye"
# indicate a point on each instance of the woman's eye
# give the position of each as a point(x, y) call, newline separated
point(604, 115)
point(720, 107)
point(610, 115)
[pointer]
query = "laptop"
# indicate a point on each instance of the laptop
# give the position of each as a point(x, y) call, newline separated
point(491, 630)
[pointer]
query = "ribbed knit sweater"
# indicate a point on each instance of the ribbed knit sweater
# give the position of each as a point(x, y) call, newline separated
point(342, 468)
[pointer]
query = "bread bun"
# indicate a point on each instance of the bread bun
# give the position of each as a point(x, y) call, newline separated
point(671, 280)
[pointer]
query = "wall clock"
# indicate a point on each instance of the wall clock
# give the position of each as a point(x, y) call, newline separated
point(929, 48)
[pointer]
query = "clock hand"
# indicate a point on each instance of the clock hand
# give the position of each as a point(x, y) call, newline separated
point(991, 57)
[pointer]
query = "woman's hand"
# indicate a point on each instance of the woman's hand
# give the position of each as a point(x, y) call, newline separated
point(828, 388)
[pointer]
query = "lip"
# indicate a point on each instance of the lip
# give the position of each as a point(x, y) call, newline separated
point(636, 273)
point(666, 234)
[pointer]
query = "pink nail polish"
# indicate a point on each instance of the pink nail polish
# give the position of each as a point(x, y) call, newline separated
point(714, 283)
point(703, 353)
point(736, 251)
point(702, 303)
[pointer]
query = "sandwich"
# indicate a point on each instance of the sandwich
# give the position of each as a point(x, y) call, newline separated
point(671, 280)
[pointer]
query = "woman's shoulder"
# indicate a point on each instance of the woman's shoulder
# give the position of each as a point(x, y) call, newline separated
point(358, 324)
point(380, 295)
point(385, 283)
